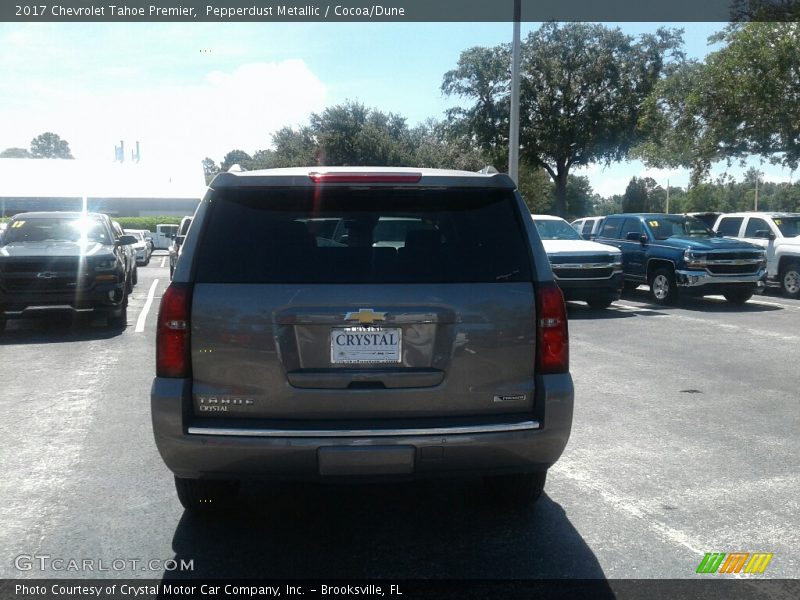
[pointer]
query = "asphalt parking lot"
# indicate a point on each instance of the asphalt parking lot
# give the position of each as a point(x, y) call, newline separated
point(685, 441)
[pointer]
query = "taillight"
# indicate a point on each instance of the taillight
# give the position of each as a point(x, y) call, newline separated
point(364, 177)
point(552, 338)
point(172, 333)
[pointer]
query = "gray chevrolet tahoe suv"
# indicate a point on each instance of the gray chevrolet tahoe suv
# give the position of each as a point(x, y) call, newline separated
point(283, 353)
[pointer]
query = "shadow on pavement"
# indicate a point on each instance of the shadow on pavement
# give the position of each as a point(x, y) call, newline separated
point(699, 304)
point(56, 330)
point(579, 312)
point(429, 529)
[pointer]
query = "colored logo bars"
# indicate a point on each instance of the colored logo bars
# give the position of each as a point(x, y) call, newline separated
point(735, 562)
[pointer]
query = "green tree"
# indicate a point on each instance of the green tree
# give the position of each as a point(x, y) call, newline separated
point(295, 148)
point(50, 145)
point(741, 101)
point(263, 159)
point(582, 89)
point(210, 169)
point(434, 146)
point(236, 157)
point(352, 134)
point(15, 153)
point(536, 189)
point(643, 194)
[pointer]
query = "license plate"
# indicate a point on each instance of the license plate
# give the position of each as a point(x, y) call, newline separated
point(365, 345)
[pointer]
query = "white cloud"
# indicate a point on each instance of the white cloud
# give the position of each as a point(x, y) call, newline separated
point(226, 110)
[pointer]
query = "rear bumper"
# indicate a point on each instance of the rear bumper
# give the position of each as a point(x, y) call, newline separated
point(524, 443)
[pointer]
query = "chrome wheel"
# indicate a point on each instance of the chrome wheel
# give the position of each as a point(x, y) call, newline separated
point(791, 280)
point(660, 287)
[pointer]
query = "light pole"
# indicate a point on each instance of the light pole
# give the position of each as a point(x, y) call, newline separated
point(513, 134)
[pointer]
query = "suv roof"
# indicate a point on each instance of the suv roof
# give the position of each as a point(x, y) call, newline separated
point(761, 214)
point(301, 177)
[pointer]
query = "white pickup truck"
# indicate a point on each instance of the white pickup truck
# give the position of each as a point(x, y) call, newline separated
point(162, 236)
point(779, 233)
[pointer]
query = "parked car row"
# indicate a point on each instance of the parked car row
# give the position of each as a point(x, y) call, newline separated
point(737, 255)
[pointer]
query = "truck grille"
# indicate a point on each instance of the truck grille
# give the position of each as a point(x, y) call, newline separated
point(60, 274)
point(584, 266)
point(68, 264)
point(748, 269)
point(734, 263)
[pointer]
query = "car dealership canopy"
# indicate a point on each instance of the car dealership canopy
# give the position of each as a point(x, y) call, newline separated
point(119, 189)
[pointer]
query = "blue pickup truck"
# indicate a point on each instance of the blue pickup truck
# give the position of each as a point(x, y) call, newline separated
point(679, 254)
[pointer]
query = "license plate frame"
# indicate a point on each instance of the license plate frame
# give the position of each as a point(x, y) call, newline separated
point(349, 353)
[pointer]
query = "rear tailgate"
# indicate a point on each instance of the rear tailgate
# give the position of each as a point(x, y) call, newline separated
point(300, 312)
point(268, 350)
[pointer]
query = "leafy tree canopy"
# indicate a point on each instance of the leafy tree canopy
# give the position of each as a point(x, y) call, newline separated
point(741, 101)
point(50, 145)
point(236, 157)
point(582, 89)
point(15, 153)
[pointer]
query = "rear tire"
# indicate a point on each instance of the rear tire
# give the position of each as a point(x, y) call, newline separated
point(135, 276)
point(790, 280)
point(206, 496)
point(515, 490)
point(738, 298)
point(663, 289)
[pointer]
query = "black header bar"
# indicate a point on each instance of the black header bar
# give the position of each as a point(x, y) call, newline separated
point(224, 11)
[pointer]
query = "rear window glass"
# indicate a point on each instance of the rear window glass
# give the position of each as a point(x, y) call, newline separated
point(363, 236)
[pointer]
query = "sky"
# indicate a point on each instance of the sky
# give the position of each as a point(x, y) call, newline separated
point(190, 90)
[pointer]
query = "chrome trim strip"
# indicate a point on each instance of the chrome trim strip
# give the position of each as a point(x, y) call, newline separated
point(582, 265)
point(310, 433)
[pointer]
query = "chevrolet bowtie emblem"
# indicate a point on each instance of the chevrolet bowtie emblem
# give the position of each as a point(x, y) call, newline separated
point(365, 316)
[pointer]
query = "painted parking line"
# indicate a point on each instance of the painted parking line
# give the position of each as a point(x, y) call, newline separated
point(143, 315)
point(163, 261)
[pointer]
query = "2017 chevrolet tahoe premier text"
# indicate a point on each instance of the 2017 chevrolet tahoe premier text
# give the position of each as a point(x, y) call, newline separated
point(285, 354)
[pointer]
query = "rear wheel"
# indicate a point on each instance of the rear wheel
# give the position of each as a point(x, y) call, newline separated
point(738, 297)
point(662, 286)
point(790, 280)
point(205, 496)
point(135, 276)
point(515, 490)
